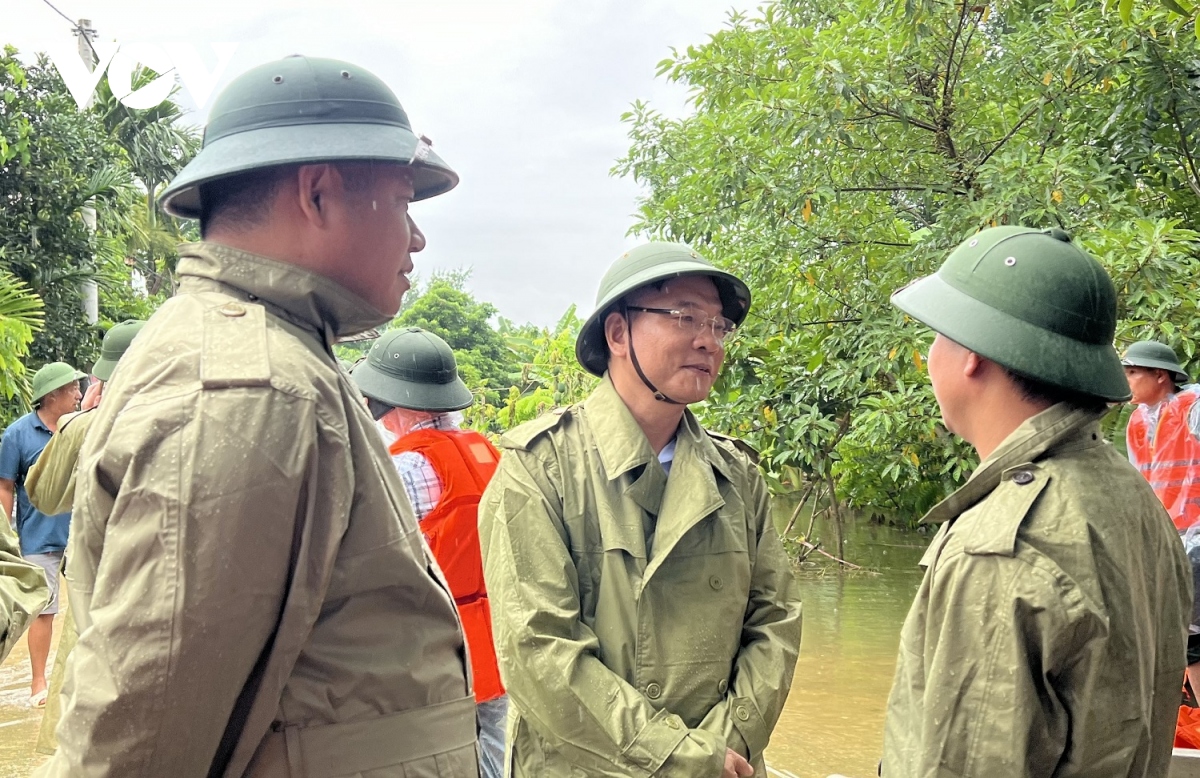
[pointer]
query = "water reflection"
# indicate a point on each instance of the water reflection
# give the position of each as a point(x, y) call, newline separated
point(833, 721)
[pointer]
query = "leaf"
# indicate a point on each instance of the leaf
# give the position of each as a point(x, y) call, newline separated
point(806, 213)
point(920, 363)
point(987, 11)
point(1056, 196)
point(1046, 79)
point(1125, 9)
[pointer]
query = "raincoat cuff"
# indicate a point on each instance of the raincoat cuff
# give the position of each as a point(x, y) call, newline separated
point(750, 725)
point(657, 740)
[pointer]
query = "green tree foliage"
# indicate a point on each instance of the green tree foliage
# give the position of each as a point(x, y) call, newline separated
point(59, 168)
point(58, 161)
point(158, 144)
point(448, 310)
point(838, 150)
point(547, 377)
point(516, 372)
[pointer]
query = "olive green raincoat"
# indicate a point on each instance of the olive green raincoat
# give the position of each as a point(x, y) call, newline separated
point(250, 585)
point(1047, 638)
point(633, 645)
point(51, 481)
point(23, 591)
point(51, 488)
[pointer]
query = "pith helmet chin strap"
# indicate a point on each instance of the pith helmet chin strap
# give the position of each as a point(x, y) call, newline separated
point(658, 395)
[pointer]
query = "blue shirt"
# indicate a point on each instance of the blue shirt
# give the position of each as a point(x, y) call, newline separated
point(20, 447)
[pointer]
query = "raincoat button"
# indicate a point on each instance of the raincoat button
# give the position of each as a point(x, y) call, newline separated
point(232, 310)
point(1022, 477)
point(672, 723)
point(715, 582)
point(722, 686)
point(653, 690)
point(742, 713)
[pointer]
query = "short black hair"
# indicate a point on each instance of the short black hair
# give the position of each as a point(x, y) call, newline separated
point(243, 200)
point(1035, 390)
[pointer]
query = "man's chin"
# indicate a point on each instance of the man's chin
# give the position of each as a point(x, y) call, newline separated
point(688, 392)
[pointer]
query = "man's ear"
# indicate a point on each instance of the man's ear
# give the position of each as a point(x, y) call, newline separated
point(616, 332)
point(973, 365)
point(315, 186)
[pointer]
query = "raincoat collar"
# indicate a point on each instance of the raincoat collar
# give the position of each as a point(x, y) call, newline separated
point(1055, 428)
point(307, 297)
point(622, 444)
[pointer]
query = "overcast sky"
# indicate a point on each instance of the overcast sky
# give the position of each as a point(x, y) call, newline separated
point(523, 99)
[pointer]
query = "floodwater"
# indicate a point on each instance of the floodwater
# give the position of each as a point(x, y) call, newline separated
point(833, 721)
point(19, 723)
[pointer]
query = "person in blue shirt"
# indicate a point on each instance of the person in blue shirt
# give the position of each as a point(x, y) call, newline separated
point(42, 538)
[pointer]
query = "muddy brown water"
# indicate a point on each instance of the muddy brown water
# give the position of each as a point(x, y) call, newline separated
point(833, 720)
point(19, 724)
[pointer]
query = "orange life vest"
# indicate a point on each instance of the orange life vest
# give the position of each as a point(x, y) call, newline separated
point(464, 462)
point(1172, 462)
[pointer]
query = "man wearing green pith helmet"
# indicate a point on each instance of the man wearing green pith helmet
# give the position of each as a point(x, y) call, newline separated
point(43, 538)
point(644, 611)
point(1047, 637)
point(254, 597)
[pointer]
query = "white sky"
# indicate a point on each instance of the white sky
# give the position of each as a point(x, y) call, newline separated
point(523, 100)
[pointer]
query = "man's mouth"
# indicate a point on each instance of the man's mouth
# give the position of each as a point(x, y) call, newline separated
point(699, 369)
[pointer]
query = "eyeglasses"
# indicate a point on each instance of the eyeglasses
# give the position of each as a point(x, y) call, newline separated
point(693, 321)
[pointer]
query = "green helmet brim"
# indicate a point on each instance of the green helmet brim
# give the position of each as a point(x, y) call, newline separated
point(401, 393)
point(591, 347)
point(302, 144)
point(1092, 369)
point(1177, 375)
point(58, 381)
point(103, 369)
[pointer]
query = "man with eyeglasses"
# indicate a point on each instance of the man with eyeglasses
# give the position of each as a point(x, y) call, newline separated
point(644, 611)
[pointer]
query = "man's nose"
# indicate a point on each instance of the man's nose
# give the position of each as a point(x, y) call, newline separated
point(417, 241)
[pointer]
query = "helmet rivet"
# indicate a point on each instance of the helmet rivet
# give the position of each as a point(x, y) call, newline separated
point(1010, 261)
point(345, 74)
point(278, 79)
point(973, 243)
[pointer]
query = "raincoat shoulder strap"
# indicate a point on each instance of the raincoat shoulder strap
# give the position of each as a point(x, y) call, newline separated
point(1001, 513)
point(234, 346)
point(521, 437)
point(736, 443)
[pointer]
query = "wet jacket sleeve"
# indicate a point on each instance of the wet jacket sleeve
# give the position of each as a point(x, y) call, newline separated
point(548, 655)
point(23, 591)
point(762, 672)
point(1009, 654)
point(193, 501)
point(51, 481)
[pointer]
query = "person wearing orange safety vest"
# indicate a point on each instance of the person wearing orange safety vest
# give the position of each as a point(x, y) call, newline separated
point(1163, 436)
point(413, 390)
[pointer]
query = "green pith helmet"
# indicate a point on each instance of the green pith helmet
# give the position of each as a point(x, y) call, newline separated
point(655, 261)
point(116, 342)
point(1151, 353)
point(302, 110)
point(414, 369)
point(54, 375)
point(1030, 301)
